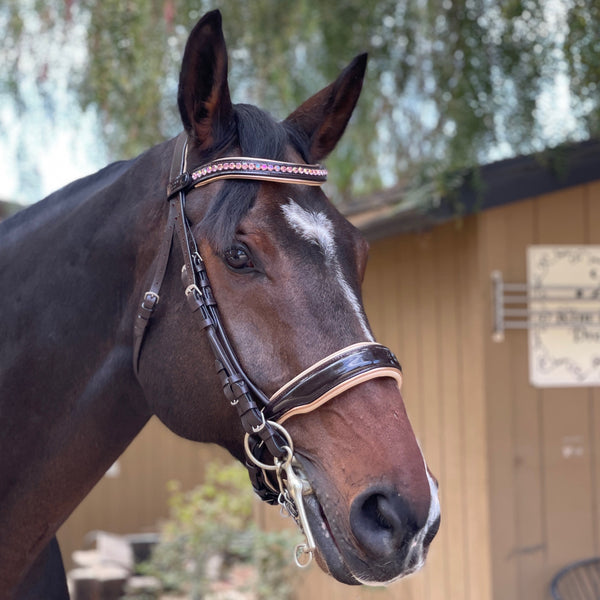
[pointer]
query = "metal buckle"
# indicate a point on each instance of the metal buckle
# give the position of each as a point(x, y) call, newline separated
point(193, 289)
point(261, 426)
point(152, 298)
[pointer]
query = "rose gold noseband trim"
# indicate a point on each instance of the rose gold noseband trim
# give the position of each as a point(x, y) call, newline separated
point(343, 387)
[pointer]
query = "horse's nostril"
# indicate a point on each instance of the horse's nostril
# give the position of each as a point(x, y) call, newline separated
point(378, 513)
point(382, 521)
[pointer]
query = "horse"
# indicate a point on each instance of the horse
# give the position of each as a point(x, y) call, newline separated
point(210, 282)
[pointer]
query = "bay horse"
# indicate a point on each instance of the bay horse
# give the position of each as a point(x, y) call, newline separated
point(265, 349)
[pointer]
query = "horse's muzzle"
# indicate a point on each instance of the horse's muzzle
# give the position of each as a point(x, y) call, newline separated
point(383, 540)
point(391, 536)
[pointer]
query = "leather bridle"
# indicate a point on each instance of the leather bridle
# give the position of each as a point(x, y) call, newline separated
point(269, 447)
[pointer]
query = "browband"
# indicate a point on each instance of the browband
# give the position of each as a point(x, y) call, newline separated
point(332, 376)
point(242, 167)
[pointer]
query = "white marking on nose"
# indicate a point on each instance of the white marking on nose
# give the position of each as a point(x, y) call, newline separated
point(417, 551)
point(434, 506)
point(317, 229)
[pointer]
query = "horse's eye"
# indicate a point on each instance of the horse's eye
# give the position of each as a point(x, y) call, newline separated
point(238, 258)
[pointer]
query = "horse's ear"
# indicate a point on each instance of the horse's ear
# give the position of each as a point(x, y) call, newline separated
point(324, 116)
point(203, 97)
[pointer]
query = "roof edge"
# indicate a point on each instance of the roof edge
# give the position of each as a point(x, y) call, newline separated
point(487, 186)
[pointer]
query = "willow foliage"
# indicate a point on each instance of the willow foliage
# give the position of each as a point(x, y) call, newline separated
point(449, 84)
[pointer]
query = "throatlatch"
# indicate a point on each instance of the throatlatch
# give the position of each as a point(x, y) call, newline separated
point(269, 448)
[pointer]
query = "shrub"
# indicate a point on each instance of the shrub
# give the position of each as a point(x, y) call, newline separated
point(210, 533)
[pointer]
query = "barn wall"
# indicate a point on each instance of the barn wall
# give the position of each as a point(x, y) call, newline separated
point(543, 505)
point(429, 282)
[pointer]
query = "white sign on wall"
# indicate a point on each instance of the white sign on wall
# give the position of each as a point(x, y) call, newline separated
point(564, 309)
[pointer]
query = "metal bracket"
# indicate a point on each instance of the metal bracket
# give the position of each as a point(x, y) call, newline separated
point(509, 306)
point(521, 306)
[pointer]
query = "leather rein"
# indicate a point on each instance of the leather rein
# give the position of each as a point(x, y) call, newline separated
point(276, 481)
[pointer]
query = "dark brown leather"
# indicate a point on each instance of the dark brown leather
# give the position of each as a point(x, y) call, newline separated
point(151, 296)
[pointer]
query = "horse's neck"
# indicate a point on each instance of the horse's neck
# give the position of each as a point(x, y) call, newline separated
point(69, 401)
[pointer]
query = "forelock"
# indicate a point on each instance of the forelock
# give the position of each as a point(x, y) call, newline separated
point(258, 136)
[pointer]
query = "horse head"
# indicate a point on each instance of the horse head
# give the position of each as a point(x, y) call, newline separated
point(285, 269)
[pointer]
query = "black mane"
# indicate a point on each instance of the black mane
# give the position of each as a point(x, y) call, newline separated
point(258, 136)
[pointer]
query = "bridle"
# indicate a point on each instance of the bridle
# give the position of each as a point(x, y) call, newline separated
point(269, 447)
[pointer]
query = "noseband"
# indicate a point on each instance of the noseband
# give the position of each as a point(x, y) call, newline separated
point(269, 448)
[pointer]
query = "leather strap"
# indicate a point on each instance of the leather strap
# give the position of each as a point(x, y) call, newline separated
point(332, 376)
point(236, 385)
point(151, 296)
point(243, 167)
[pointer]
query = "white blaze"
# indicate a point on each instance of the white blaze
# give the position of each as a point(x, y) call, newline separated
point(317, 229)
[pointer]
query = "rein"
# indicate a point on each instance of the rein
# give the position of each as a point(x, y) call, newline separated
point(277, 481)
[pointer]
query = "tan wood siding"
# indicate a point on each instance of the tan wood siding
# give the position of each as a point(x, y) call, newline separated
point(593, 232)
point(543, 504)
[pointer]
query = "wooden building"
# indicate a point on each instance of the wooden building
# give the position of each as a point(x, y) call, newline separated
point(515, 506)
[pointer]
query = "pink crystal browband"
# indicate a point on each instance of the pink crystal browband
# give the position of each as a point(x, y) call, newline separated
point(242, 167)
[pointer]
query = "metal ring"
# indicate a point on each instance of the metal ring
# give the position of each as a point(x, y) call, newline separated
point(302, 549)
point(289, 447)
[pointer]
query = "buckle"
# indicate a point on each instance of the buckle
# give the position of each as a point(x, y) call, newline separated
point(150, 300)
